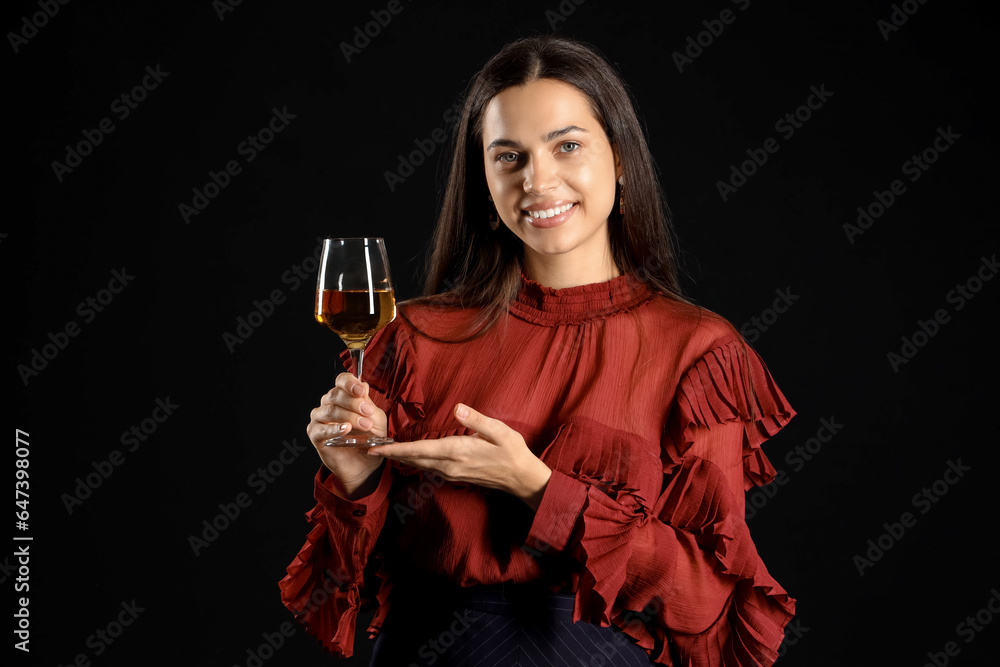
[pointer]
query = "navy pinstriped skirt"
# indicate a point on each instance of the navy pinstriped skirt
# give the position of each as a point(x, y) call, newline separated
point(498, 626)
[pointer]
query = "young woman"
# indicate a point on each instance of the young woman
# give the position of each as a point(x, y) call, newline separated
point(573, 438)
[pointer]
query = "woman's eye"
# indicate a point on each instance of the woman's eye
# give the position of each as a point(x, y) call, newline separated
point(507, 157)
point(568, 146)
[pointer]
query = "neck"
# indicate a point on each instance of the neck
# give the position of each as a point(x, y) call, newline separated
point(560, 271)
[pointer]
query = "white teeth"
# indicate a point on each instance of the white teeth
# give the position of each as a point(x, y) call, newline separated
point(550, 212)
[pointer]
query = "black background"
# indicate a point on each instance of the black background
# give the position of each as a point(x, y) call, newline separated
point(162, 336)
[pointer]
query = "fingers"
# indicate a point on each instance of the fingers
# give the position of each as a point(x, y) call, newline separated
point(421, 453)
point(347, 403)
point(351, 385)
point(457, 458)
point(440, 457)
point(319, 433)
point(340, 403)
point(488, 428)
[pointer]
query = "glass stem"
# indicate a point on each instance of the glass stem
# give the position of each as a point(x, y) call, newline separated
point(358, 355)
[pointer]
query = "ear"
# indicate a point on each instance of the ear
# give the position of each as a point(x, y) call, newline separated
point(618, 161)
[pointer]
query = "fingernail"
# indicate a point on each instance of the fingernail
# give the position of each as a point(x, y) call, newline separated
point(371, 452)
point(365, 423)
point(367, 408)
point(342, 428)
point(462, 411)
point(357, 390)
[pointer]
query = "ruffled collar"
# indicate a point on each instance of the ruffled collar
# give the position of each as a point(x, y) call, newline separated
point(572, 305)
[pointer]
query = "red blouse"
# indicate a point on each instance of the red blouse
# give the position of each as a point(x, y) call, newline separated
point(650, 413)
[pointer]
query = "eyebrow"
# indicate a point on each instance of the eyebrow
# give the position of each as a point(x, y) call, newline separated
point(554, 134)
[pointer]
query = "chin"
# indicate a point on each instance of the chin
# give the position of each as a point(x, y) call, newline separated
point(562, 240)
point(555, 247)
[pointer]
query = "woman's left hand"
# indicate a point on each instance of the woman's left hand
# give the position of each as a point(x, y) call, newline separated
point(495, 457)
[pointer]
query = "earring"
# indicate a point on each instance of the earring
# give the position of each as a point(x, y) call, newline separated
point(494, 216)
point(621, 195)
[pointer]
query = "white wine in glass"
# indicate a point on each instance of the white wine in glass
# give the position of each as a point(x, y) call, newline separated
point(354, 299)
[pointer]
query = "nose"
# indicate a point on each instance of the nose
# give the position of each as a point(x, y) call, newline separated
point(541, 176)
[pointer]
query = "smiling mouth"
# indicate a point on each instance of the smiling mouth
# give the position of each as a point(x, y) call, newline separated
point(549, 212)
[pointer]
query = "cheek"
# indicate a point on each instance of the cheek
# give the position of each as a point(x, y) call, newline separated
point(599, 191)
point(501, 187)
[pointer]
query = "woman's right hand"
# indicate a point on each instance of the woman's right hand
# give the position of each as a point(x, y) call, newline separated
point(344, 408)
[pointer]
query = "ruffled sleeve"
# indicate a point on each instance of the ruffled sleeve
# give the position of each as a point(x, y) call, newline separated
point(680, 573)
point(729, 383)
point(325, 584)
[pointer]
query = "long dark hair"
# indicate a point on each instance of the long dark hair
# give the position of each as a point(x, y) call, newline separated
point(471, 265)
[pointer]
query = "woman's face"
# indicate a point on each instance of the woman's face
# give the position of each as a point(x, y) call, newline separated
point(550, 170)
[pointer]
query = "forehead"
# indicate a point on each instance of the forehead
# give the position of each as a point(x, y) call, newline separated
point(528, 112)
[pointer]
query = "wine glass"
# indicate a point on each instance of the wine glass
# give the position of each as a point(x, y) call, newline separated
point(354, 298)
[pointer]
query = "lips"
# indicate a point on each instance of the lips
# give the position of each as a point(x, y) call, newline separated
point(548, 214)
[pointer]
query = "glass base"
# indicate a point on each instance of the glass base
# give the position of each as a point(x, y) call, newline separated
point(358, 440)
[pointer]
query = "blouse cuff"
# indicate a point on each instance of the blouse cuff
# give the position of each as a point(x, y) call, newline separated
point(351, 512)
point(562, 502)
